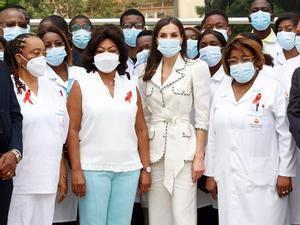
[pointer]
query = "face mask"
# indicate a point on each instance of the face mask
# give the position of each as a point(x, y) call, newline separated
point(192, 48)
point(56, 55)
point(298, 43)
point(169, 47)
point(130, 36)
point(2, 56)
point(36, 66)
point(260, 20)
point(286, 40)
point(223, 32)
point(142, 56)
point(81, 38)
point(211, 55)
point(11, 33)
point(28, 28)
point(242, 72)
point(106, 62)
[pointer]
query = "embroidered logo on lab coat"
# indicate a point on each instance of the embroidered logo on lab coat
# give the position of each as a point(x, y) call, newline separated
point(128, 97)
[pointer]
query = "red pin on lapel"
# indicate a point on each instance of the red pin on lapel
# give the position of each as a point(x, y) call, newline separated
point(27, 97)
point(128, 97)
point(257, 98)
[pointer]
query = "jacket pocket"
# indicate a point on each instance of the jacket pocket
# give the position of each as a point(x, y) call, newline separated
point(149, 91)
point(181, 91)
point(186, 132)
point(263, 170)
point(151, 134)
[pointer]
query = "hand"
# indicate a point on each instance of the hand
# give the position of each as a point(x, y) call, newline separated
point(62, 188)
point(8, 164)
point(78, 183)
point(145, 182)
point(211, 186)
point(284, 186)
point(197, 168)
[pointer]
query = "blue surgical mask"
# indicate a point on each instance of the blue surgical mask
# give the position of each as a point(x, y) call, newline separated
point(298, 43)
point(142, 56)
point(169, 47)
point(11, 33)
point(242, 72)
point(56, 55)
point(260, 20)
point(212, 55)
point(286, 40)
point(81, 38)
point(130, 36)
point(223, 32)
point(28, 28)
point(192, 48)
point(2, 56)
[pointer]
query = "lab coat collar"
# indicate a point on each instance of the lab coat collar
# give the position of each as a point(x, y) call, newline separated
point(175, 76)
point(53, 76)
point(251, 93)
point(219, 75)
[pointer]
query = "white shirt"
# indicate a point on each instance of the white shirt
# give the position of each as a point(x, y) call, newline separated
point(285, 69)
point(133, 69)
point(216, 80)
point(108, 140)
point(45, 127)
point(270, 45)
point(73, 72)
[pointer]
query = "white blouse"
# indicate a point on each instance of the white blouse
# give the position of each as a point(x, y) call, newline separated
point(108, 140)
point(45, 127)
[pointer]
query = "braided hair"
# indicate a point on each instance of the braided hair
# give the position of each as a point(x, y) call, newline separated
point(12, 48)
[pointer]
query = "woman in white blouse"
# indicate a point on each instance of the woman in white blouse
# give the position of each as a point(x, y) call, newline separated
point(172, 86)
point(108, 139)
point(45, 126)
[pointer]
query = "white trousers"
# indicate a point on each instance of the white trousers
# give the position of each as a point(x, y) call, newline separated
point(31, 209)
point(180, 208)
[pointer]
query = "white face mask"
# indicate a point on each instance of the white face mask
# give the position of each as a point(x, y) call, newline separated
point(106, 62)
point(37, 66)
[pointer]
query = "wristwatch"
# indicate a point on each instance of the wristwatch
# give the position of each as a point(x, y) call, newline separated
point(147, 169)
point(18, 154)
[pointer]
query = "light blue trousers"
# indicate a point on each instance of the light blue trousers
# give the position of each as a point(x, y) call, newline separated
point(109, 198)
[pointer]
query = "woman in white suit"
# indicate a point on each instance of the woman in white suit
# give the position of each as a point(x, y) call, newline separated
point(172, 86)
point(249, 157)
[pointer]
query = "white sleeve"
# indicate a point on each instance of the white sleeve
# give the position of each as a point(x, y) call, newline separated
point(286, 144)
point(201, 93)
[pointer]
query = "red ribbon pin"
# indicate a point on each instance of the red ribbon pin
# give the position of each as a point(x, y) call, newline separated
point(128, 97)
point(257, 98)
point(27, 97)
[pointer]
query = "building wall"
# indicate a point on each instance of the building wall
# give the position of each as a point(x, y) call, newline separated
point(187, 8)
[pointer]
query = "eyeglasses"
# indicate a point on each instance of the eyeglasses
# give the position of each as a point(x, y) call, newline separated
point(77, 27)
point(232, 62)
point(138, 26)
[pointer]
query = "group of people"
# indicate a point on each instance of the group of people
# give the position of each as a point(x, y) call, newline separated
point(183, 125)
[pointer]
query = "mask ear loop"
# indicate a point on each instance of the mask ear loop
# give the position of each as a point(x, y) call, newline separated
point(22, 66)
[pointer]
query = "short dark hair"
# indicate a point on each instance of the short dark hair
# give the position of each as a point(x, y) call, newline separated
point(53, 29)
point(113, 33)
point(155, 55)
point(268, 1)
point(57, 21)
point(145, 33)
point(13, 6)
point(80, 17)
point(217, 34)
point(294, 17)
point(130, 12)
point(215, 12)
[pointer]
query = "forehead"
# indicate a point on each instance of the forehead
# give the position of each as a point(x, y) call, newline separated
point(260, 4)
point(106, 43)
point(33, 43)
point(169, 28)
point(240, 52)
point(209, 38)
point(189, 32)
point(214, 19)
point(132, 19)
point(13, 14)
point(144, 39)
point(287, 22)
point(80, 21)
point(51, 36)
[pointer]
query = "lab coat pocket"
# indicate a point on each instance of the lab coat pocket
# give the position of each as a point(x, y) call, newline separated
point(257, 122)
point(149, 90)
point(262, 171)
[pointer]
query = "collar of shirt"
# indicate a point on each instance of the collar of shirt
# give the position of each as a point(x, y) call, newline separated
point(219, 75)
point(270, 39)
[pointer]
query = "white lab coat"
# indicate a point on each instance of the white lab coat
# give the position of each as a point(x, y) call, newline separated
point(249, 145)
point(285, 69)
point(67, 210)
